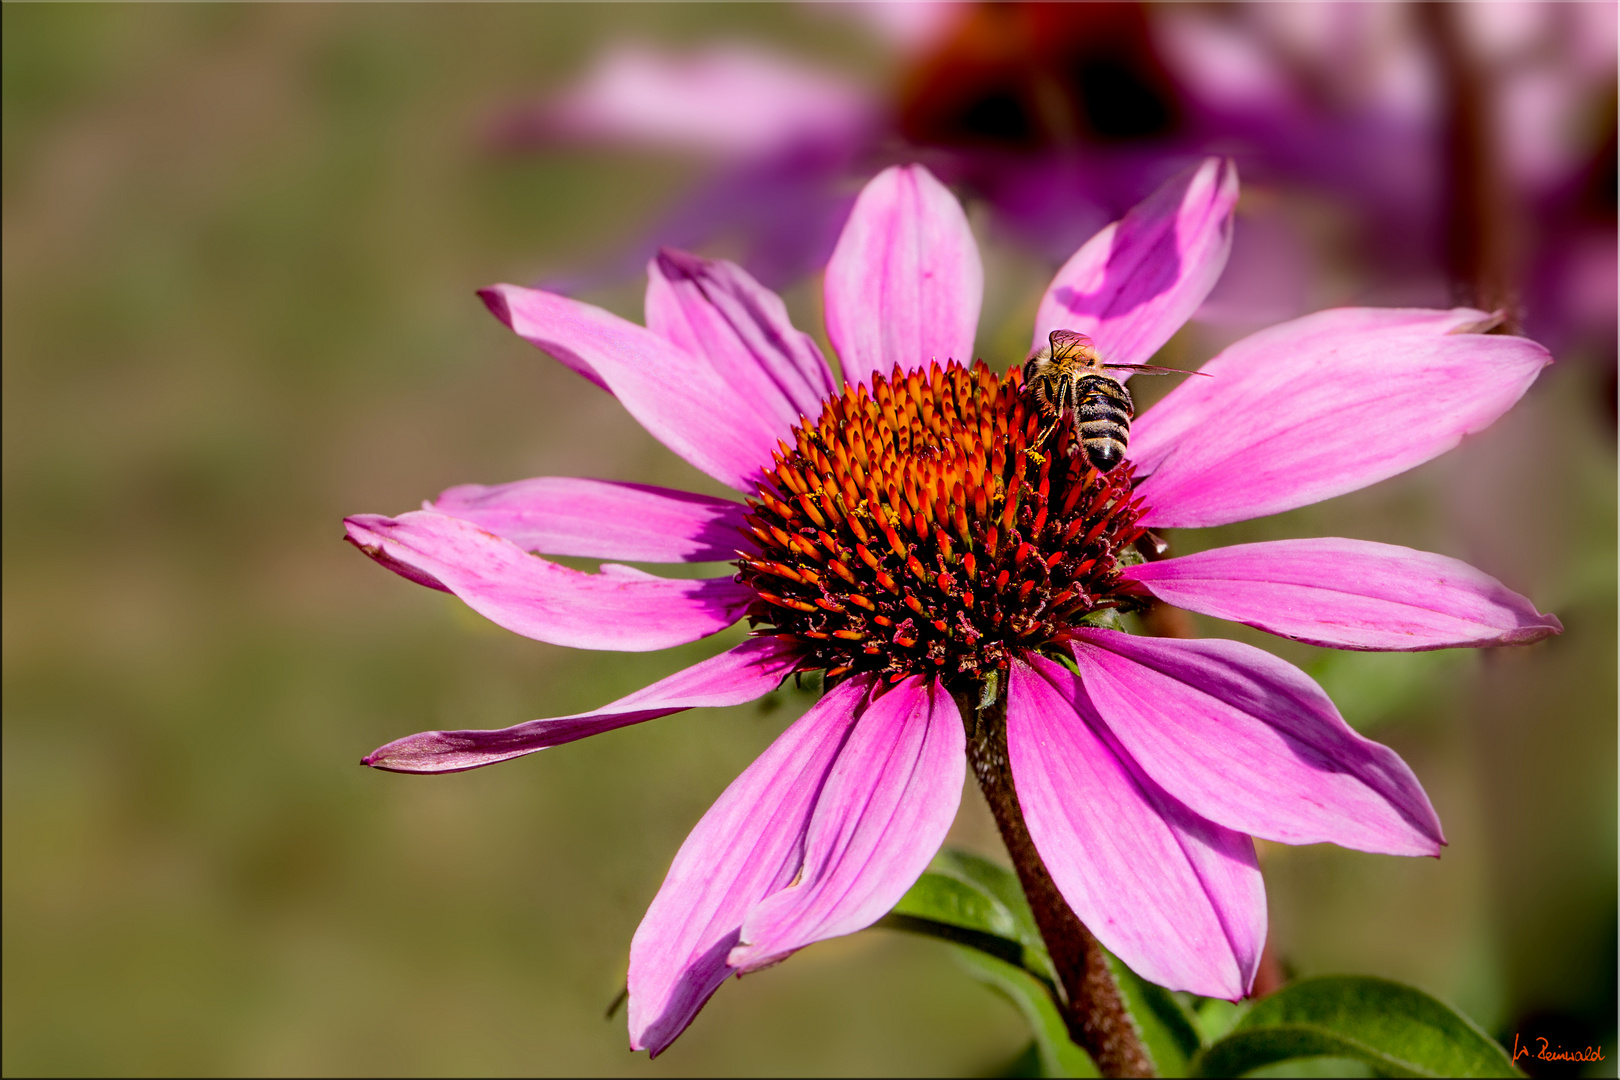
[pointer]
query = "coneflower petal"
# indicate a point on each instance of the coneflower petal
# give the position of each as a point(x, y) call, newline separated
point(905, 283)
point(881, 816)
point(620, 608)
point(712, 308)
point(1174, 895)
point(1348, 594)
point(600, 519)
point(1249, 741)
point(1320, 406)
point(679, 398)
point(1132, 285)
point(749, 845)
point(742, 674)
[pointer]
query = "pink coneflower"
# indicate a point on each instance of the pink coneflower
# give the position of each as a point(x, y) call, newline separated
point(956, 584)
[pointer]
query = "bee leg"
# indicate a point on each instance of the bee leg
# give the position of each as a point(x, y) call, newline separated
point(1040, 440)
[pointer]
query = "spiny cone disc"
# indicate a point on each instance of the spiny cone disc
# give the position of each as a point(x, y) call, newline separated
point(913, 529)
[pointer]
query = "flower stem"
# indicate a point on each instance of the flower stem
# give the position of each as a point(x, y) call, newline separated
point(1479, 210)
point(1093, 1010)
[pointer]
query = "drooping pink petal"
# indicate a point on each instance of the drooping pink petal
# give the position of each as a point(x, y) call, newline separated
point(1184, 410)
point(714, 309)
point(1132, 285)
point(619, 608)
point(1251, 742)
point(905, 283)
point(735, 676)
point(1162, 428)
point(1320, 406)
point(1177, 897)
point(1349, 594)
point(880, 818)
point(676, 396)
point(749, 845)
point(600, 519)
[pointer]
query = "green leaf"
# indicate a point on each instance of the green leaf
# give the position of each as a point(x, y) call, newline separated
point(1215, 1017)
point(995, 881)
point(1167, 1028)
point(1299, 1068)
point(979, 908)
point(974, 903)
point(1395, 1030)
point(970, 901)
point(1003, 949)
point(1032, 997)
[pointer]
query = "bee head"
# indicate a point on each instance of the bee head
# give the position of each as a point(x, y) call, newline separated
point(1073, 345)
point(1069, 346)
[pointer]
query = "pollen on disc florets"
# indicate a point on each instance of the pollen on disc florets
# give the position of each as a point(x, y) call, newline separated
point(912, 529)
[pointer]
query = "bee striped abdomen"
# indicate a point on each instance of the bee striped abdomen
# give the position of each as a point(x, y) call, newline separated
point(1102, 417)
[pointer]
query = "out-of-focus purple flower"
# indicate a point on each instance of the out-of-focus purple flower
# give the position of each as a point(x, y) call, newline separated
point(1554, 72)
point(971, 105)
point(785, 138)
point(1353, 101)
point(1059, 116)
point(903, 534)
point(733, 101)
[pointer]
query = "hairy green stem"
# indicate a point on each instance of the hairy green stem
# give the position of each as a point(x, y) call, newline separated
point(1093, 1009)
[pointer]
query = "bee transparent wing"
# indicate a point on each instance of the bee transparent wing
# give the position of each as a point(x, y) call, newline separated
point(1065, 343)
point(1150, 369)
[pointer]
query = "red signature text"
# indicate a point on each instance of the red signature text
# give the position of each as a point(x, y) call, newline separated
point(1548, 1052)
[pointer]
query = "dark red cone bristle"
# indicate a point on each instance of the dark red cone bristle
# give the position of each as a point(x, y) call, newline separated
point(912, 530)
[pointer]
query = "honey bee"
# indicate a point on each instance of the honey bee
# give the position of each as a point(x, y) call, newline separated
point(1068, 377)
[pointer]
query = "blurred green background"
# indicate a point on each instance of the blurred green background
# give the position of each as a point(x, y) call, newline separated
point(240, 249)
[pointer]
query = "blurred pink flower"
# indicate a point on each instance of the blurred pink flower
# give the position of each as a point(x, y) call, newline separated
point(785, 136)
point(1060, 116)
point(900, 536)
point(1352, 100)
point(734, 101)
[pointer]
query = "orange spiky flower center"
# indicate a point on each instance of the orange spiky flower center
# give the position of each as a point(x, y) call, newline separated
point(914, 529)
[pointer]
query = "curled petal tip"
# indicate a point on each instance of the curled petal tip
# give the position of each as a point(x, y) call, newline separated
point(1487, 322)
point(1529, 635)
point(684, 261)
point(366, 532)
point(418, 753)
point(740, 674)
point(495, 300)
point(747, 958)
point(383, 761)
